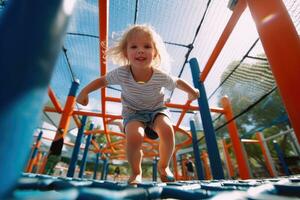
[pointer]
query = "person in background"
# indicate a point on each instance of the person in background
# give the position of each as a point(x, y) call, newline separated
point(190, 169)
point(116, 173)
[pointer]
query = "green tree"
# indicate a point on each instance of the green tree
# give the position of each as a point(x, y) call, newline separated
point(256, 101)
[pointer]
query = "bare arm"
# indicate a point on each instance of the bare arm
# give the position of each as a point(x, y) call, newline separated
point(192, 92)
point(83, 97)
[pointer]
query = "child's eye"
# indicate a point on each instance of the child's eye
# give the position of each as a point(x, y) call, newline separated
point(133, 47)
point(148, 46)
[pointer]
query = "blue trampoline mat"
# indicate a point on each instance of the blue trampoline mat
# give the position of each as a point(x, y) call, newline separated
point(35, 186)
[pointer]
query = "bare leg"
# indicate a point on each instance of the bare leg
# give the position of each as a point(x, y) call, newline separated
point(134, 136)
point(164, 129)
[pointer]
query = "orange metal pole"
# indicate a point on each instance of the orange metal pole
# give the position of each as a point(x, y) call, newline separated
point(281, 43)
point(228, 159)
point(33, 160)
point(204, 157)
point(180, 106)
point(38, 161)
point(54, 100)
point(237, 12)
point(182, 114)
point(65, 118)
point(238, 149)
point(249, 141)
point(175, 169)
point(43, 164)
point(266, 155)
point(88, 113)
point(103, 31)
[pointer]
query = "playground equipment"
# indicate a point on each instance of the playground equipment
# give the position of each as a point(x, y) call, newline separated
point(262, 141)
point(23, 100)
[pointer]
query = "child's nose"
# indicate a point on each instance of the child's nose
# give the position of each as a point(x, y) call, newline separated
point(140, 51)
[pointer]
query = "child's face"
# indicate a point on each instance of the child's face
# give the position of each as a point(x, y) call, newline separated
point(140, 50)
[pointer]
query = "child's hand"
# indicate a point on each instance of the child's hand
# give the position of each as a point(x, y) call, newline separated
point(194, 95)
point(82, 98)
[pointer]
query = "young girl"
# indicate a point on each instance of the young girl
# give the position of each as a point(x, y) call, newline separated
point(139, 53)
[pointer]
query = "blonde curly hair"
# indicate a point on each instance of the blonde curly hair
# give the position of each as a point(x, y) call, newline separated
point(117, 53)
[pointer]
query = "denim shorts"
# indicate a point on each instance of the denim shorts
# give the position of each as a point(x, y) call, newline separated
point(145, 116)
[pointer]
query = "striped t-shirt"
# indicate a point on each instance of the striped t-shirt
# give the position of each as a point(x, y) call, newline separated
point(141, 97)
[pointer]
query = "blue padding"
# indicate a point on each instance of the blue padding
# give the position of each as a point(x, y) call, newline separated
point(104, 194)
point(177, 193)
point(31, 33)
point(108, 185)
point(53, 195)
point(33, 184)
point(287, 188)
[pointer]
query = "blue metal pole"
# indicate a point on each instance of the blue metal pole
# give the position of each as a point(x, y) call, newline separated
point(154, 169)
point(280, 155)
point(36, 148)
point(76, 149)
point(85, 153)
point(199, 168)
point(96, 166)
point(209, 132)
point(31, 34)
point(104, 168)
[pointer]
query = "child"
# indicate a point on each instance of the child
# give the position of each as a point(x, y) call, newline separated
point(139, 53)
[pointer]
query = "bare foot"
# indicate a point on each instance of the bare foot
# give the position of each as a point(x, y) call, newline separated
point(165, 174)
point(135, 179)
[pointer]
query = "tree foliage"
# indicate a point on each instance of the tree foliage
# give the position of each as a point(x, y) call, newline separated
point(256, 101)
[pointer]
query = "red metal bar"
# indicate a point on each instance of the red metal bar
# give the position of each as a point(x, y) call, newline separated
point(206, 167)
point(184, 110)
point(180, 106)
point(228, 159)
point(238, 149)
point(217, 110)
point(65, 118)
point(175, 169)
point(88, 113)
point(265, 154)
point(237, 12)
point(249, 141)
point(33, 160)
point(281, 43)
point(54, 100)
point(103, 31)
point(113, 99)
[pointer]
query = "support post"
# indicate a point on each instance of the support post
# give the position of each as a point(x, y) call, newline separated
point(238, 148)
point(54, 154)
point(76, 149)
point(154, 169)
point(85, 153)
point(199, 168)
point(31, 35)
point(227, 159)
point(34, 152)
point(280, 155)
point(209, 132)
point(266, 153)
point(281, 43)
